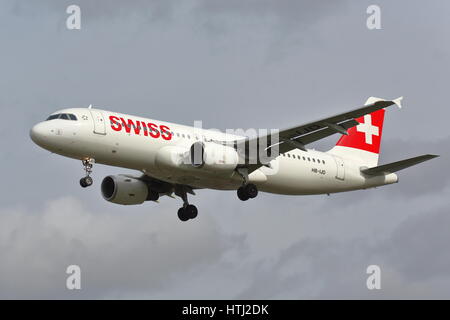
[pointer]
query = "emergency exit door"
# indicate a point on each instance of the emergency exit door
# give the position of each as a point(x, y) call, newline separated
point(340, 172)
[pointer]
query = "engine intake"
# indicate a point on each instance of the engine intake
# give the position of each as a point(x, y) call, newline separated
point(124, 190)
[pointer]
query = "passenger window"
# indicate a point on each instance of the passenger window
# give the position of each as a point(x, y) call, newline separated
point(309, 159)
point(183, 135)
point(323, 161)
point(304, 158)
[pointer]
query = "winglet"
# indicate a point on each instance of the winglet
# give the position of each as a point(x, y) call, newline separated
point(398, 102)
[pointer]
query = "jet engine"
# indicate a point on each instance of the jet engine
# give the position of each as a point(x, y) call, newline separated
point(125, 190)
point(206, 157)
point(213, 157)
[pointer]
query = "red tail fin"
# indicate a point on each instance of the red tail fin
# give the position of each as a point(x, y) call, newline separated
point(367, 135)
point(362, 144)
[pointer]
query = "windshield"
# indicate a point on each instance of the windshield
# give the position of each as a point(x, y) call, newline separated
point(64, 116)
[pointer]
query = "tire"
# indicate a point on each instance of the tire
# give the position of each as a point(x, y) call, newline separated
point(89, 181)
point(242, 195)
point(182, 214)
point(153, 195)
point(191, 211)
point(83, 183)
point(251, 190)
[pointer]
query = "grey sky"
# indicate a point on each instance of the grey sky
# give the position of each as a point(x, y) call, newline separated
point(231, 64)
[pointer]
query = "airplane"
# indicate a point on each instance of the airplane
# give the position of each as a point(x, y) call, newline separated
point(176, 159)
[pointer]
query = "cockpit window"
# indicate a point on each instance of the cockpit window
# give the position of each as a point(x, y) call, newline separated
point(64, 116)
point(53, 116)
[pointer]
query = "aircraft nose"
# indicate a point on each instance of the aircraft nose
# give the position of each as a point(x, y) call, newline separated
point(38, 133)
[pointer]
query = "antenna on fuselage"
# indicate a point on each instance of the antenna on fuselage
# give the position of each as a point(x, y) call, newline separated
point(90, 106)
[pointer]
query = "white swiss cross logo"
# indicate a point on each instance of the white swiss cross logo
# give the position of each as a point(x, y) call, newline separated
point(368, 128)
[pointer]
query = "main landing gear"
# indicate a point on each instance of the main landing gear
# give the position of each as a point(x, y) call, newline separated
point(248, 191)
point(87, 180)
point(187, 211)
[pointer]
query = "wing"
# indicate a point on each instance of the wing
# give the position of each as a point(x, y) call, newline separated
point(165, 188)
point(299, 136)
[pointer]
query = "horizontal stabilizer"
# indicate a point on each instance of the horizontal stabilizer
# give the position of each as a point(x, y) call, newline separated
point(398, 165)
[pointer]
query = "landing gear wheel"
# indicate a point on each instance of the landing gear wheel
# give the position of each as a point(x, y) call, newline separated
point(191, 211)
point(83, 183)
point(153, 196)
point(251, 190)
point(246, 192)
point(86, 182)
point(182, 214)
point(242, 194)
point(187, 211)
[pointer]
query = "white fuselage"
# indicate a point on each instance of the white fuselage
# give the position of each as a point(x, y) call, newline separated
point(95, 135)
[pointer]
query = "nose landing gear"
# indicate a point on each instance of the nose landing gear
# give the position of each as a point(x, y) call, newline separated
point(87, 180)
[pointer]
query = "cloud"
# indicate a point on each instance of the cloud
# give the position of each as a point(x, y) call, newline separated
point(281, 25)
point(285, 12)
point(418, 248)
point(413, 259)
point(117, 253)
point(153, 10)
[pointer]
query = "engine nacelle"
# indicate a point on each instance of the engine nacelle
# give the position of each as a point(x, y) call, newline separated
point(122, 189)
point(207, 157)
point(213, 157)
